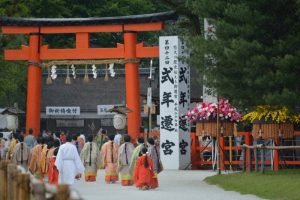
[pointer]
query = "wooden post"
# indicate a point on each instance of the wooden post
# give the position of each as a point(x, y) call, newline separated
point(222, 152)
point(247, 142)
point(244, 158)
point(15, 184)
point(63, 192)
point(33, 105)
point(262, 160)
point(132, 85)
point(11, 168)
point(3, 180)
point(249, 160)
point(23, 186)
point(256, 160)
point(230, 152)
point(39, 191)
point(194, 150)
point(276, 156)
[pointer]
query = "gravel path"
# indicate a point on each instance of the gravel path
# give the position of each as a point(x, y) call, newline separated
point(173, 185)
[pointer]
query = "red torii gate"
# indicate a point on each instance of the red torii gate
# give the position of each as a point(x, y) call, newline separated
point(82, 27)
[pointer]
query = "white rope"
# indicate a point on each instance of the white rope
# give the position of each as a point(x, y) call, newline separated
point(89, 62)
point(215, 154)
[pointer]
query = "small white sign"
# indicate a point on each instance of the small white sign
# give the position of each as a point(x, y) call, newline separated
point(102, 109)
point(59, 110)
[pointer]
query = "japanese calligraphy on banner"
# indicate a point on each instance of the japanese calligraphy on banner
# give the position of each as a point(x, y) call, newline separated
point(103, 109)
point(62, 110)
point(174, 102)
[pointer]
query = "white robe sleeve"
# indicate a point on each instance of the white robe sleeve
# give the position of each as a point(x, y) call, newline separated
point(58, 161)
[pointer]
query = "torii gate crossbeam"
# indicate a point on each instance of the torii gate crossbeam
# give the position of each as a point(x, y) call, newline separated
point(82, 27)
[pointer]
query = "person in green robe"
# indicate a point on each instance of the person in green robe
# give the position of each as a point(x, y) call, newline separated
point(136, 153)
point(101, 138)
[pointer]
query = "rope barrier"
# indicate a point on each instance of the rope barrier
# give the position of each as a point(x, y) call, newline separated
point(89, 62)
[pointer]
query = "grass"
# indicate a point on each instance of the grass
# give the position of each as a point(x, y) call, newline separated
point(282, 185)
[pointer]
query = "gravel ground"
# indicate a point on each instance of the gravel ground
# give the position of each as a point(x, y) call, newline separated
point(173, 185)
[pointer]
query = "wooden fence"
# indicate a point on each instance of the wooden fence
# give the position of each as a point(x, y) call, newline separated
point(17, 184)
point(227, 159)
point(262, 148)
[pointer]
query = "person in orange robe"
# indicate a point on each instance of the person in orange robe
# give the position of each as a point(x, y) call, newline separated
point(143, 172)
point(53, 172)
point(154, 155)
point(34, 163)
point(109, 154)
point(44, 161)
point(50, 154)
point(13, 142)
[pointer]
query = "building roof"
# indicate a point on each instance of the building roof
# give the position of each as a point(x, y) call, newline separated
point(11, 110)
point(132, 19)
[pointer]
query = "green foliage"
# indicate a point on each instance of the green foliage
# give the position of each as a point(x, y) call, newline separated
point(256, 50)
point(12, 74)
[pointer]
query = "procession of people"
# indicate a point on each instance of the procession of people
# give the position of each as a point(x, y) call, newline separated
point(59, 158)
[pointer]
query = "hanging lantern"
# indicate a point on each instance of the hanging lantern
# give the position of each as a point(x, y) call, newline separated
point(49, 80)
point(86, 76)
point(119, 121)
point(68, 79)
point(106, 73)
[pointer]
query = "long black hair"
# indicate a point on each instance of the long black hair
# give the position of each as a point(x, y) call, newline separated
point(111, 138)
point(144, 151)
point(127, 138)
point(21, 139)
point(90, 139)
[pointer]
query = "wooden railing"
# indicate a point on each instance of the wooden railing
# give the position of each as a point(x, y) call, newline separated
point(17, 184)
point(247, 156)
point(263, 162)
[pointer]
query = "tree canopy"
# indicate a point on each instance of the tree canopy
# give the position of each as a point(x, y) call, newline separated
point(254, 59)
point(256, 55)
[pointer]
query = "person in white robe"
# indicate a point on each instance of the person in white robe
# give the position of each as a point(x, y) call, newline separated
point(68, 163)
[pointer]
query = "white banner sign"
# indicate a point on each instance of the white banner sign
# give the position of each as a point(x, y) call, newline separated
point(58, 110)
point(102, 109)
point(174, 102)
point(209, 94)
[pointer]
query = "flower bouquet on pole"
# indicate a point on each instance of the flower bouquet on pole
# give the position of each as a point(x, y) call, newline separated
point(272, 122)
point(205, 116)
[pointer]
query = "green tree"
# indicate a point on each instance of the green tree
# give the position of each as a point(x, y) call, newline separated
point(256, 52)
point(12, 74)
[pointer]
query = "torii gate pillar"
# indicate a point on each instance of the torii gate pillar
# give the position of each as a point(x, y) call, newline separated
point(34, 75)
point(132, 84)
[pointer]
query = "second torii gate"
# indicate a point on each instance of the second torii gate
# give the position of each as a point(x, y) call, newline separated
point(35, 52)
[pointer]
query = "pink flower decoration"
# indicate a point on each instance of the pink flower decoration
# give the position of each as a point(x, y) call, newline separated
point(208, 111)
